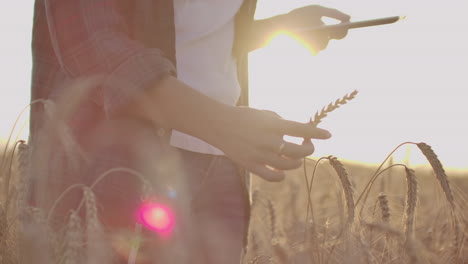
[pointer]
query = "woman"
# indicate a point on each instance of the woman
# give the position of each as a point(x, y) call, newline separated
point(154, 86)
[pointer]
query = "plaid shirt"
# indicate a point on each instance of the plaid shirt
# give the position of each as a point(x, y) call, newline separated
point(129, 44)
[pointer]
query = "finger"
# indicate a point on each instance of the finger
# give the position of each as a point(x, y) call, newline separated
point(270, 142)
point(279, 162)
point(334, 13)
point(267, 173)
point(295, 151)
point(297, 129)
point(338, 34)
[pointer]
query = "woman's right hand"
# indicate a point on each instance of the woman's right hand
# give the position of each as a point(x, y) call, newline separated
point(254, 139)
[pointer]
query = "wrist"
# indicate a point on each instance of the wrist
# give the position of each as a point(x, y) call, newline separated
point(216, 124)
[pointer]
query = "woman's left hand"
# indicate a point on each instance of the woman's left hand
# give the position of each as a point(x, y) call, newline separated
point(311, 17)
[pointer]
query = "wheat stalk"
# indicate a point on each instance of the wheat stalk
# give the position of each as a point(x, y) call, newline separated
point(3, 233)
point(346, 184)
point(261, 259)
point(73, 240)
point(412, 247)
point(331, 107)
point(411, 200)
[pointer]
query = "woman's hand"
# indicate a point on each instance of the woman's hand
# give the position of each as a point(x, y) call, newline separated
point(254, 139)
point(310, 17)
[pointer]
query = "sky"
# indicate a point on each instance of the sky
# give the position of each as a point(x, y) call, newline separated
point(411, 76)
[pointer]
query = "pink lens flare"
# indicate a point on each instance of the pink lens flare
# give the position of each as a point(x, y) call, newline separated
point(157, 217)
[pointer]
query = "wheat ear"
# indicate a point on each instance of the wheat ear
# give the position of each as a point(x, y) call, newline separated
point(438, 171)
point(73, 241)
point(273, 222)
point(411, 200)
point(441, 176)
point(384, 208)
point(8, 191)
point(22, 187)
point(346, 184)
point(97, 249)
point(331, 107)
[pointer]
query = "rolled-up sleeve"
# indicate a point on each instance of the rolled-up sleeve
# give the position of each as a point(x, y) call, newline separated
point(90, 37)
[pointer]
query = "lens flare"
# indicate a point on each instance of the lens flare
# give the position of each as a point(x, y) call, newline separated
point(157, 217)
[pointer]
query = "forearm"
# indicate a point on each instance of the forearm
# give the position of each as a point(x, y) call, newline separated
point(174, 105)
point(304, 17)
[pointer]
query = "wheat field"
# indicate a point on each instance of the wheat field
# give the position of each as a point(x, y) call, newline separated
point(329, 211)
point(409, 216)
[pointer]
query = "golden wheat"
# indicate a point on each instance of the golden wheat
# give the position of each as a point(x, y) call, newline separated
point(273, 222)
point(96, 249)
point(331, 107)
point(276, 216)
point(438, 170)
point(73, 241)
point(3, 235)
point(384, 208)
point(346, 184)
point(441, 176)
point(411, 200)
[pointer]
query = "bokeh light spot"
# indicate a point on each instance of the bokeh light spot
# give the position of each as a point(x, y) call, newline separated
point(157, 217)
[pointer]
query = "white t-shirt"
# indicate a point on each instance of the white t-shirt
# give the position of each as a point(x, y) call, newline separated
point(204, 38)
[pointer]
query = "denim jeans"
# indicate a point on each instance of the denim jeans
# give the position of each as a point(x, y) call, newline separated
point(219, 206)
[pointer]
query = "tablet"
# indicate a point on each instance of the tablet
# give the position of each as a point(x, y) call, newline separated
point(356, 24)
